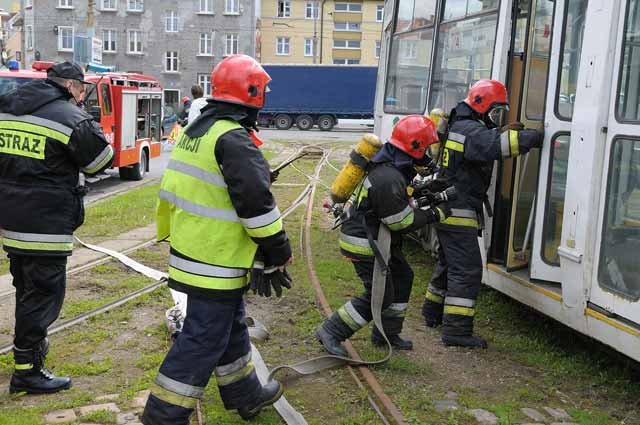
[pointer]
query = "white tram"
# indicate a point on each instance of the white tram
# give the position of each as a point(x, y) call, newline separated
point(565, 233)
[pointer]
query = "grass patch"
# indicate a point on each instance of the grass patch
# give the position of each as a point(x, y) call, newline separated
point(113, 216)
point(100, 416)
point(89, 368)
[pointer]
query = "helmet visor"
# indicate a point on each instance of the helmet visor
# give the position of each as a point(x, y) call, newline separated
point(498, 115)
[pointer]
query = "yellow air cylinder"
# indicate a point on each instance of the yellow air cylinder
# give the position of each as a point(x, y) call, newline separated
point(440, 120)
point(353, 171)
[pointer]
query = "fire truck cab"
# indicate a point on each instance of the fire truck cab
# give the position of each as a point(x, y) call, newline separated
point(128, 107)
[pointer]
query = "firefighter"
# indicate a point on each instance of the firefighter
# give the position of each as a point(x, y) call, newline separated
point(382, 200)
point(477, 137)
point(216, 207)
point(45, 141)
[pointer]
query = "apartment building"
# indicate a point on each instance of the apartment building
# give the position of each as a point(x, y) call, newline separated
point(327, 32)
point(177, 42)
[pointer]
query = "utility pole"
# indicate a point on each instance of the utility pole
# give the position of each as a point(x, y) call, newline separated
point(91, 24)
point(315, 12)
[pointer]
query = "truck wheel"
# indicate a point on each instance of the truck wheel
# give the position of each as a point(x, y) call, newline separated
point(326, 122)
point(304, 122)
point(283, 122)
point(136, 171)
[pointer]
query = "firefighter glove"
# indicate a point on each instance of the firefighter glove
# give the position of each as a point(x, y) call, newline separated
point(437, 185)
point(256, 279)
point(439, 213)
point(276, 278)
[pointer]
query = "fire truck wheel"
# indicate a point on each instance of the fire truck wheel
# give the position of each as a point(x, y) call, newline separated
point(136, 171)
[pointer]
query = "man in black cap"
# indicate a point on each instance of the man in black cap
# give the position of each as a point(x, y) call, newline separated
point(45, 141)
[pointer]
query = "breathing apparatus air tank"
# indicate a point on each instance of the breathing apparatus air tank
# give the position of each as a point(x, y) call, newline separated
point(441, 121)
point(353, 171)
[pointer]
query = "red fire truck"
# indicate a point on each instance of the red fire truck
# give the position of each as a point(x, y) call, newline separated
point(128, 107)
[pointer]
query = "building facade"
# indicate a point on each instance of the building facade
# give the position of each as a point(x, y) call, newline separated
point(177, 42)
point(316, 31)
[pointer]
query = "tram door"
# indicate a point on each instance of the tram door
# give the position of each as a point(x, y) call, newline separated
point(517, 178)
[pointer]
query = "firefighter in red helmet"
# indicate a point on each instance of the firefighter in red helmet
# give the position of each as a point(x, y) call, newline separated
point(382, 200)
point(216, 207)
point(476, 138)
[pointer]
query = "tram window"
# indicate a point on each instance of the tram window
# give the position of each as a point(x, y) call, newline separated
point(464, 56)
point(405, 15)
point(570, 57)
point(619, 269)
point(455, 9)
point(424, 13)
point(415, 14)
point(539, 60)
point(408, 75)
point(552, 229)
point(629, 95)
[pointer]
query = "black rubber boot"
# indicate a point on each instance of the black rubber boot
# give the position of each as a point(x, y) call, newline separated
point(457, 330)
point(396, 341)
point(269, 395)
point(432, 313)
point(470, 341)
point(35, 379)
point(330, 342)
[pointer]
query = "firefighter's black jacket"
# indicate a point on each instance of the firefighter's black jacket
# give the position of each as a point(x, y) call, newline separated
point(467, 162)
point(245, 171)
point(45, 141)
point(382, 198)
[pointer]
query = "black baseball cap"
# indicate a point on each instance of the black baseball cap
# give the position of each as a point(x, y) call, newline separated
point(68, 70)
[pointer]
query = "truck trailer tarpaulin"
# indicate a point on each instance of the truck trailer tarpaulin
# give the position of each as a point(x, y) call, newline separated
point(308, 95)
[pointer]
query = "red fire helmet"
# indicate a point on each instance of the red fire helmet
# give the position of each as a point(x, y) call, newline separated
point(240, 79)
point(485, 94)
point(413, 134)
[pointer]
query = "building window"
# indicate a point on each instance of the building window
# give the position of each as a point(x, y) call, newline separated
point(204, 81)
point(347, 26)
point(171, 62)
point(348, 7)
point(65, 4)
point(379, 12)
point(206, 45)
point(346, 44)
point(284, 8)
point(206, 6)
point(232, 7)
point(29, 37)
point(230, 44)
point(28, 3)
point(377, 49)
point(282, 46)
point(65, 39)
point(308, 47)
point(109, 41)
point(135, 5)
point(311, 10)
point(135, 41)
point(108, 5)
point(346, 61)
point(171, 21)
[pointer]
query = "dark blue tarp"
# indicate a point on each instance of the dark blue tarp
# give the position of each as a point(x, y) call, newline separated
point(321, 89)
